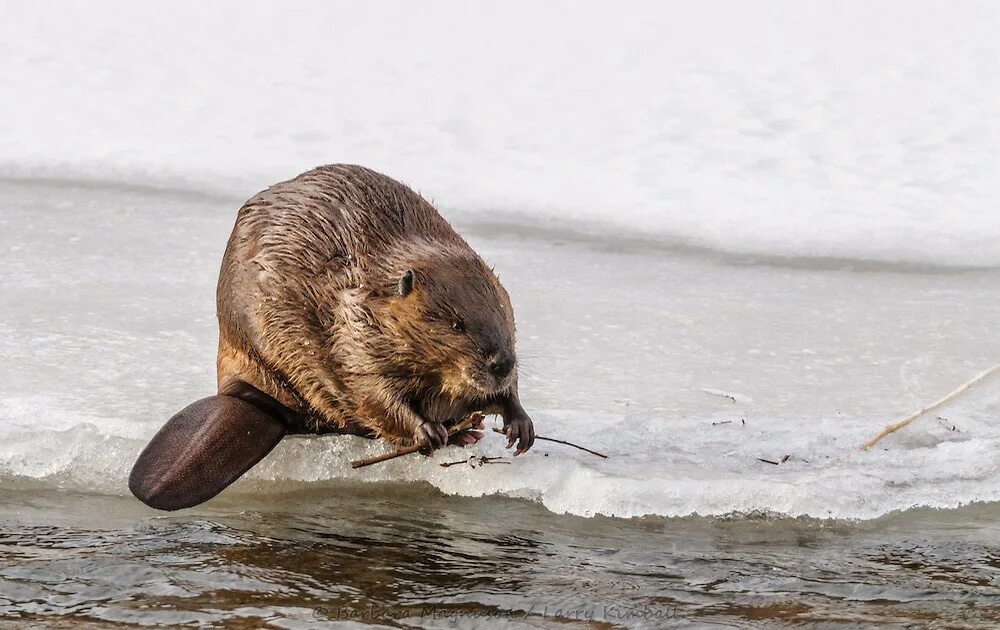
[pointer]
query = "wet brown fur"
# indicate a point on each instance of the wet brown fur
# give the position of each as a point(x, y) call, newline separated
point(310, 311)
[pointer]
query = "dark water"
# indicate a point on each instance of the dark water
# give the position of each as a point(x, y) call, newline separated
point(408, 556)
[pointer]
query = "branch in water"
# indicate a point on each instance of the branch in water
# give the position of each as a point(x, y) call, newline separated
point(461, 426)
point(547, 439)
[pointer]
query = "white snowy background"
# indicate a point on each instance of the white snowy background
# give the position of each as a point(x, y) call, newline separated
point(819, 129)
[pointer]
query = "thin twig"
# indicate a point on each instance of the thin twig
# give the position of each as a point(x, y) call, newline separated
point(732, 397)
point(482, 460)
point(461, 426)
point(946, 423)
point(892, 428)
point(767, 461)
point(721, 394)
point(547, 439)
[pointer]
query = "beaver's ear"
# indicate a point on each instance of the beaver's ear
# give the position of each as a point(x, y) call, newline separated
point(406, 283)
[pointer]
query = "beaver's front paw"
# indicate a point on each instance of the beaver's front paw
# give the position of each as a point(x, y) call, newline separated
point(520, 429)
point(433, 434)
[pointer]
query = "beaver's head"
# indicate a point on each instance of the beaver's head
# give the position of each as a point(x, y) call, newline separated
point(448, 322)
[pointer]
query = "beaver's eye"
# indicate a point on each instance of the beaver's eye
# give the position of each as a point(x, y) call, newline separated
point(458, 326)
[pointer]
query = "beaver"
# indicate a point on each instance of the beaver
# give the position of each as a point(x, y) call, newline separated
point(346, 304)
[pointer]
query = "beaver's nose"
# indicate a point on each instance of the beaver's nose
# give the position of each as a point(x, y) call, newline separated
point(501, 365)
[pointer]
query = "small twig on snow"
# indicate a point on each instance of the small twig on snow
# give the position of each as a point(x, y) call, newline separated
point(548, 439)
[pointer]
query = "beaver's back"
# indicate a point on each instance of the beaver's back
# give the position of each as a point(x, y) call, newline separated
point(298, 245)
point(336, 220)
point(329, 212)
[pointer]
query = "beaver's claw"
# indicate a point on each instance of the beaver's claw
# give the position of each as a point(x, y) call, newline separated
point(433, 434)
point(519, 429)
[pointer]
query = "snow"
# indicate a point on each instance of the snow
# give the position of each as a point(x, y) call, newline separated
point(731, 231)
point(782, 129)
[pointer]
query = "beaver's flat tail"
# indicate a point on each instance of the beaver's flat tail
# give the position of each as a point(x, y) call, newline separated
point(202, 449)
